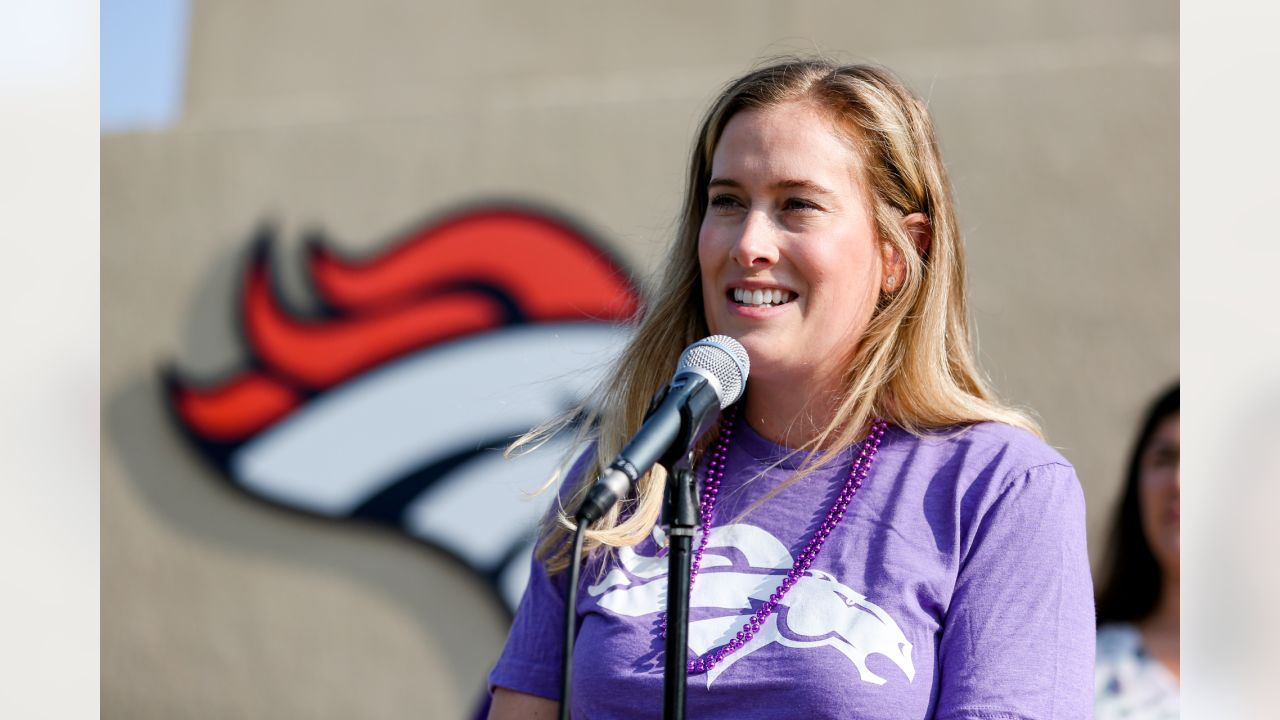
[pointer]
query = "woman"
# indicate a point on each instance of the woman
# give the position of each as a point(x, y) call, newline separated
point(1137, 665)
point(882, 538)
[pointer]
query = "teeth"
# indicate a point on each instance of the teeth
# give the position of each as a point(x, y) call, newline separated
point(765, 298)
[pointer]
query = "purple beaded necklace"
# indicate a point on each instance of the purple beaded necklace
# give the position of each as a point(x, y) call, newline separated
point(711, 488)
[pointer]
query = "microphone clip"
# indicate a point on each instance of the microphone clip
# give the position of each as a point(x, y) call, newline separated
point(679, 455)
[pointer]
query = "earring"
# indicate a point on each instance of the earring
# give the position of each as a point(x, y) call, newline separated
point(891, 281)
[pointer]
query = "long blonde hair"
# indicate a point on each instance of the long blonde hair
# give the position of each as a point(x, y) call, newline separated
point(915, 365)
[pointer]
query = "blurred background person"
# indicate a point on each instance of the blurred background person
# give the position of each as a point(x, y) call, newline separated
point(1137, 663)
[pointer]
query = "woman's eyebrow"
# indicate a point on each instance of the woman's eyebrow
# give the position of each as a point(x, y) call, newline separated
point(723, 182)
point(809, 185)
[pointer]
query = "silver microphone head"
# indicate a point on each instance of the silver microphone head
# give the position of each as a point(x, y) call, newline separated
point(723, 361)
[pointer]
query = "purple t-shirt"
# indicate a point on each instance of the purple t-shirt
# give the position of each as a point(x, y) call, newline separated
point(956, 586)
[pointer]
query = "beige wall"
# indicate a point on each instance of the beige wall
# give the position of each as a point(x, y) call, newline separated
point(1059, 123)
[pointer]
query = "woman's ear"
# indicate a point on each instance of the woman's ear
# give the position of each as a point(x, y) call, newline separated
point(895, 266)
point(920, 230)
point(892, 268)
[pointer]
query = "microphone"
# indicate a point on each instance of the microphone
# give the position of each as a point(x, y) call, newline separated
point(710, 376)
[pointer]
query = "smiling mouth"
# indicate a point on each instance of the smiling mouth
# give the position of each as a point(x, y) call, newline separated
point(761, 298)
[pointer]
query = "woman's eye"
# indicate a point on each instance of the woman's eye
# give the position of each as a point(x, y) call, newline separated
point(798, 204)
point(725, 202)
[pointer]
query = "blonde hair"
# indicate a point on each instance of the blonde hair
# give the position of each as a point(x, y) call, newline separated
point(915, 365)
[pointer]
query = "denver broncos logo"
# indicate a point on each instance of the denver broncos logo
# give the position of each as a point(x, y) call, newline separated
point(393, 402)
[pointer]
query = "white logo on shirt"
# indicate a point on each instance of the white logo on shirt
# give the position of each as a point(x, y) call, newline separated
point(820, 610)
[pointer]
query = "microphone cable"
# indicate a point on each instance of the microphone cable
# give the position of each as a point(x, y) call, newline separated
point(571, 617)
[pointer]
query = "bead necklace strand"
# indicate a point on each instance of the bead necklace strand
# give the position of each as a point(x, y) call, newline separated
point(711, 488)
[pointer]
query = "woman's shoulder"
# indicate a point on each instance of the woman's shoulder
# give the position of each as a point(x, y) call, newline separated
point(985, 444)
point(972, 468)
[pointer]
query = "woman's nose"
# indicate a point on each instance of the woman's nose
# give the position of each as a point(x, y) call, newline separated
point(756, 244)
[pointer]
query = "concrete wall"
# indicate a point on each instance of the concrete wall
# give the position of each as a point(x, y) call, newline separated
point(1058, 121)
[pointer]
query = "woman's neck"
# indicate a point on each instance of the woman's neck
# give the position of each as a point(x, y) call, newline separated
point(1161, 629)
point(790, 413)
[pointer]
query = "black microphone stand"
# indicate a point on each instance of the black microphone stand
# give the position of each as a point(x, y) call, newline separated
point(681, 517)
